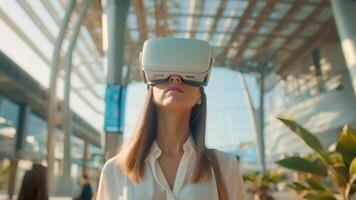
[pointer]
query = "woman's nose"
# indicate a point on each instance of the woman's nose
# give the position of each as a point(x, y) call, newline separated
point(175, 79)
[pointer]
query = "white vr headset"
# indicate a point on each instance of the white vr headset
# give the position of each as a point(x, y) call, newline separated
point(191, 59)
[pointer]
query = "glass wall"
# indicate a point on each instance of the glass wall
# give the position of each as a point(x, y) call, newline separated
point(77, 156)
point(9, 114)
point(35, 148)
point(36, 137)
point(96, 157)
point(316, 72)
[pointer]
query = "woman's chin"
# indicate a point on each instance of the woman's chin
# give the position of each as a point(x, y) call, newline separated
point(173, 104)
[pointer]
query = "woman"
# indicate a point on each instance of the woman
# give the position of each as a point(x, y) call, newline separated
point(167, 158)
point(34, 185)
point(86, 193)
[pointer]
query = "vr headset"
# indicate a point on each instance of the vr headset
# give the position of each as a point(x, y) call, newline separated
point(191, 59)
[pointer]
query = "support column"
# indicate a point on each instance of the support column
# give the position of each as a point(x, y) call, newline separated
point(66, 107)
point(52, 104)
point(345, 17)
point(22, 129)
point(65, 185)
point(85, 157)
point(251, 111)
point(114, 26)
point(261, 141)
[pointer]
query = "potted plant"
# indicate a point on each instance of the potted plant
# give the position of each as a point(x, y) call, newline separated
point(336, 165)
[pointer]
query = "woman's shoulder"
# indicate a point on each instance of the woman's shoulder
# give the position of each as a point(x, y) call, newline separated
point(226, 161)
point(231, 174)
point(111, 166)
point(112, 182)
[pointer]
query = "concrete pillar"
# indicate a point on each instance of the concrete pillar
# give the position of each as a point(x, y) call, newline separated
point(65, 185)
point(251, 111)
point(85, 157)
point(66, 107)
point(25, 111)
point(345, 18)
point(114, 26)
point(52, 104)
point(113, 140)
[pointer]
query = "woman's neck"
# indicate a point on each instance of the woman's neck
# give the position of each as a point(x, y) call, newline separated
point(172, 130)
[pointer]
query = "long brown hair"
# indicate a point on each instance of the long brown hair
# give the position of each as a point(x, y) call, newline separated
point(133, 154)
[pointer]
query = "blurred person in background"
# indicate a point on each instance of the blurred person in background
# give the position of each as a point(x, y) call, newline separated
point(34, 184)
point(86, 193)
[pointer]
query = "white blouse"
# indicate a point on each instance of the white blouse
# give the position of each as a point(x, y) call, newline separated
point(114, 185)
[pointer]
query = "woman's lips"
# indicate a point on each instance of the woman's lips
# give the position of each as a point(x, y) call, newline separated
point(174, 89)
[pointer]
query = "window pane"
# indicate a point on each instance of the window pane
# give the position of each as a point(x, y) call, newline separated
point(36, 137)
point(9, 113)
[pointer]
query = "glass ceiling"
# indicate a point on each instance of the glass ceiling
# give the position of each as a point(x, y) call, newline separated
point(240, 31)
point(29, 29)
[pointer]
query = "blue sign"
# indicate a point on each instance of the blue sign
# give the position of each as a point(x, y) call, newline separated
point(115, 100)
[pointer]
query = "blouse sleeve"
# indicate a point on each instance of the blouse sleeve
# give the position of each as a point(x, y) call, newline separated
point(109, 184)
point(236, 187)
point(232, 177)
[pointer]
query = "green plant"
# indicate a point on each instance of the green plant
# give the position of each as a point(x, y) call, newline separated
point(336, 165)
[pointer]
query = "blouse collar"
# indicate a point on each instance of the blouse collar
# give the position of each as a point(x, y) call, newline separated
point(155, 152)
